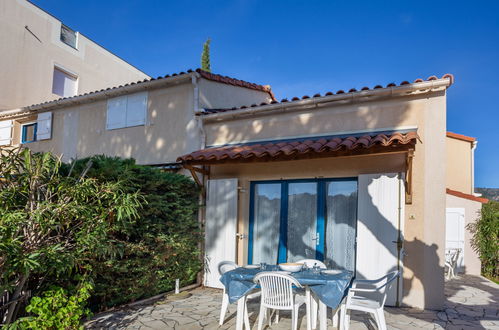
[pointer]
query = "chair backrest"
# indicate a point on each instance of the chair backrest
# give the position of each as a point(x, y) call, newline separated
point(452, 255)
point(312, 262)
point(378, 289)
point(277, 289)
point(456, 256)
point(225, 266)
point(386, 283)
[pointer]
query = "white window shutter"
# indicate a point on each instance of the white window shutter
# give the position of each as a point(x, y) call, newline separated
point(44, 126)
point(5, 132)
point(220, 227)
point(136, 109)
point(380, 211)
point(116, 112)
point(69, 86)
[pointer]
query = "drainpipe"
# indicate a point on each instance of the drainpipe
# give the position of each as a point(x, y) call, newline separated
point(197, 110)
point(202, 196)
point(473, 147)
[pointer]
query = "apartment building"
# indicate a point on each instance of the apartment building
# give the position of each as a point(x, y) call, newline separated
point(43, 59)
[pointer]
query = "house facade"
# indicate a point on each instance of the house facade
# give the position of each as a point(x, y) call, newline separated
point(153, 121)
point(355, 178)
point(463, 204)
point(42, 59)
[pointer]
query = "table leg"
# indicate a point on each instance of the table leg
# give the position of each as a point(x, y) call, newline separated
point(322, 315)
point(335, 318)
point(309, 302)
point(315, 310)
point(240, 313)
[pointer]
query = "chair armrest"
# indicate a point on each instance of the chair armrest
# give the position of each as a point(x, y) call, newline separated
point(363, 289)
point(365, 282)
point(253, 295)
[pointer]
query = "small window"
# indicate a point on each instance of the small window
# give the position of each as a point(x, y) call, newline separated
point(68, 36)
point(64, 83)
point(127, 111)
point(29, 133)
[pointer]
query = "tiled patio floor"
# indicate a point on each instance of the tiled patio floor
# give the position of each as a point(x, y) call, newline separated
point(472, 303)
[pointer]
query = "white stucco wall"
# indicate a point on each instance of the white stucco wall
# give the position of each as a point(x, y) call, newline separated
point(472, 263)
point(31, 47)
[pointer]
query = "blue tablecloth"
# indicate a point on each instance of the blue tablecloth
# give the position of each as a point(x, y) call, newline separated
point(329, 288)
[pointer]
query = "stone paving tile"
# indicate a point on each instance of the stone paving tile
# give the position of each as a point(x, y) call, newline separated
point(472, 303)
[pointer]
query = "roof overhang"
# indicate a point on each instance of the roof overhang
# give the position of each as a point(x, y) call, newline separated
point(309, 148)
point(467, 196)
point(461, 137)
point(419, 87)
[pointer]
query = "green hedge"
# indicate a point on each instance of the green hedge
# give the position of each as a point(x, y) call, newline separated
point(161, 246)
point(485, 231)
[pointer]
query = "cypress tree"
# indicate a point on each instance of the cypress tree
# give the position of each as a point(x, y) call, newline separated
point(205, 56)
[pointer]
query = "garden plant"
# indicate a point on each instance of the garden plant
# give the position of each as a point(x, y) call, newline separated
point(485, 242)
point(89, 235)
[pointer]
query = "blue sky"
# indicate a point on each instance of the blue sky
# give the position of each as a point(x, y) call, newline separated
point(305, 47)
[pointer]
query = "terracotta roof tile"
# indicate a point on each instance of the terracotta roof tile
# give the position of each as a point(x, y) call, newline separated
point(302, 148)
point(341, 91)
point(461, 137)
point(202, 73)
point(235, 82)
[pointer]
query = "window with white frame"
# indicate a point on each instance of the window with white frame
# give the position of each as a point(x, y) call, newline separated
point(64, 83)
point(68, 36)
point(126, 111)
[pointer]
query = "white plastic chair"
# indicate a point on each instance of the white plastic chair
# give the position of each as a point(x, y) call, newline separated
point(224, 267)
point(355, 300)
point(451, 258)
point(310, 263)
point(278, 294)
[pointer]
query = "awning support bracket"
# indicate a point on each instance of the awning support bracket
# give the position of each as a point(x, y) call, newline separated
point(194, 172)
point(408, 176)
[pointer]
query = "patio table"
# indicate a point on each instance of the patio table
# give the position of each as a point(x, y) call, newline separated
point(329, 288)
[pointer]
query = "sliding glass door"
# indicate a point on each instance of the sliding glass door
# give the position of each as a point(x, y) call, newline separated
point(266, 222)
point(301, 224)
point(341, 224)
point(303, 219)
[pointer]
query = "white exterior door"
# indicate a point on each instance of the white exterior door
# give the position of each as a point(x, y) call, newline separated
point(380, 213)
point(220, 227)
point(454, 233)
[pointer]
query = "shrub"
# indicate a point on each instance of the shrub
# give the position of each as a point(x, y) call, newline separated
point(52, 225)
point(56, 309)
point(485, 241)
point(161, 246)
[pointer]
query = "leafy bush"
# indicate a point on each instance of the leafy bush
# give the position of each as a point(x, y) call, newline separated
point(52, 225)
point(161, 246)
point(56, 309)
point(485, 242)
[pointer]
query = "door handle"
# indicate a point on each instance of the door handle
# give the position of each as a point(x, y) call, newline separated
point(317, 239)
point(399, 244)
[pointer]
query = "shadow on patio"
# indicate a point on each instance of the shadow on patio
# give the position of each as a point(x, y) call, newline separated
point(472, 302)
